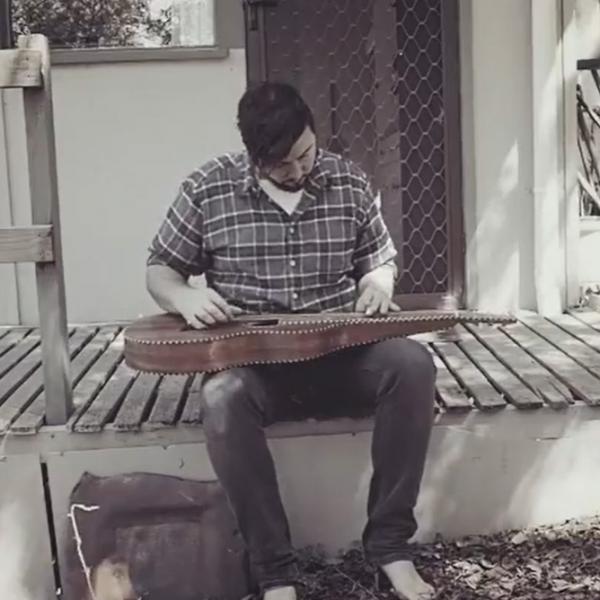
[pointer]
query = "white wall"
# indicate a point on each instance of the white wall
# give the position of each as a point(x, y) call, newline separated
point(126, 135)
point(498, 169)
point(587, 17)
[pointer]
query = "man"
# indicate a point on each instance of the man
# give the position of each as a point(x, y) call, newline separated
point(288, 227)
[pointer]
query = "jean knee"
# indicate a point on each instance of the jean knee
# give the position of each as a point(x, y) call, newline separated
point(421, 361)
point(222, 393)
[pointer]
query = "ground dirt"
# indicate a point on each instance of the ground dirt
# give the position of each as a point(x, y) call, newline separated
point(560, 562)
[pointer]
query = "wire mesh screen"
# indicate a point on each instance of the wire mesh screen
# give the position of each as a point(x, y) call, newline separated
point(372, 71)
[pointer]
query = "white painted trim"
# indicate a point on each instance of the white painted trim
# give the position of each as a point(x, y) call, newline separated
point(569, 49)
point(9, 305)
point(469, 156)
point(57, 439)
point(548, 145)
point(76, 56)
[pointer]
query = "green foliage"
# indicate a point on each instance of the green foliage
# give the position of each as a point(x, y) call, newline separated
point(92, 23)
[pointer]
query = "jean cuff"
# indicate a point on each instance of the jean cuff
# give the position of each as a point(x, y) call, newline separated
point(289, 575)
point(386, 558)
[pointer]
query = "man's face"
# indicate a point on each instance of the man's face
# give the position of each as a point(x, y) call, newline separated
point(291, 173)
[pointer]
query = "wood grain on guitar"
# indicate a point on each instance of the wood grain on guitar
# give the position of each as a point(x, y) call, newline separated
point(164, 344)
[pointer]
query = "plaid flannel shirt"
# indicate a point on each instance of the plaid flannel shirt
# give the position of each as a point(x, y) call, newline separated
point(259, 258)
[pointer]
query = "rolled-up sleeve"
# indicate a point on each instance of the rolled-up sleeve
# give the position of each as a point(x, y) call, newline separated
point(374, 244)
point(179, 241)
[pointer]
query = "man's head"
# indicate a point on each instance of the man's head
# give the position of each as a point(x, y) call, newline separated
point(278, 130)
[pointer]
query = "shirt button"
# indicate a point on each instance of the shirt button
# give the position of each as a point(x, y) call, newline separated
point(292, 230)
point(295, 296)
point(292, 263)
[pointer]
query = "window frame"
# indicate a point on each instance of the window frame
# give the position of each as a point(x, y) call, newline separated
point(70, 56)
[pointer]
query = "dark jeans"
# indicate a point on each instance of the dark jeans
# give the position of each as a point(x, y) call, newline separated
point(395, 377)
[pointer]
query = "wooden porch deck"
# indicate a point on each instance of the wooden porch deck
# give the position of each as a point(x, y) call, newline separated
point(532, 364)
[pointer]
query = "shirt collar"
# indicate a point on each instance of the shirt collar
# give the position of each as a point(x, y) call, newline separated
point(318, 179)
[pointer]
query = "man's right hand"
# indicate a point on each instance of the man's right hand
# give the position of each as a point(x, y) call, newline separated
point(201, 307)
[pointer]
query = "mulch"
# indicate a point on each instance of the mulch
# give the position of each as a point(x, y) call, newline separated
point(560, 562)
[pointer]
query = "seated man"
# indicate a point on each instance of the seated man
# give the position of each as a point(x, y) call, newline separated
point(288, 227)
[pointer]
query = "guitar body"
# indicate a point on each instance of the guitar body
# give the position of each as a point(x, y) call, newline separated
point(165, 344)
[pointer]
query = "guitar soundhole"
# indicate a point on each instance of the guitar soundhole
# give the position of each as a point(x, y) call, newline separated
point(263, 323)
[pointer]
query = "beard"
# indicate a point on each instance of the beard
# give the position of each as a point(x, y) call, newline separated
point(289, 186)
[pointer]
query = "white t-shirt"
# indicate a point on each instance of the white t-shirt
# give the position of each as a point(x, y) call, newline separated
point(287, 200)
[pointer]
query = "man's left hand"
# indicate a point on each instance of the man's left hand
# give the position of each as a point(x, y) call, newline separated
point(375, 300)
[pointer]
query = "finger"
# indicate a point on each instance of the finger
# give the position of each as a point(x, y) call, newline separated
point(213, 312)
point(193, 322)
point(394, 307)
point(384, 305)
point(375, 304)
point(213, 306)
point(224, 307)
point(228, 309)
point(363, 301)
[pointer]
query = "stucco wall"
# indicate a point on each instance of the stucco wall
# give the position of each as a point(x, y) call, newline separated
point(126, 135)
point(498, 169)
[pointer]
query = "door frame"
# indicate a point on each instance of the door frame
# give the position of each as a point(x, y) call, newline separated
point(257, 70)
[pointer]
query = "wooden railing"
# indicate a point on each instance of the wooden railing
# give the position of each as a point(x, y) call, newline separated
point(28, 67)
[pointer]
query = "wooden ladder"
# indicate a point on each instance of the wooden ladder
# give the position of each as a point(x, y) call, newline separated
point(28, 67)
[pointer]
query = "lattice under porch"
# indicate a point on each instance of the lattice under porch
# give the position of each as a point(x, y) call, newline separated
point(534, 363)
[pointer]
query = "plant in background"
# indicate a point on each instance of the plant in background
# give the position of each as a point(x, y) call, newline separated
point(92, 23)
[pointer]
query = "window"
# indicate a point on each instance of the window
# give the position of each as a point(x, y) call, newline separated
point(118, 23)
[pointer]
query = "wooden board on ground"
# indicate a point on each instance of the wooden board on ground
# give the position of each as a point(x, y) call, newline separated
point(485, 396)
point(10, 337)
point(512, 388)
point(33, 417)
point(573, 347)
point(95, 379)
point(583, 384)
point(17, 351)
point(577, 328)
point(171, 394)
point(137, 403)
point(535, 375)
point(22, 397)
point(106, 404)
point(192, 411)
point(589, 317)
point(451, 395)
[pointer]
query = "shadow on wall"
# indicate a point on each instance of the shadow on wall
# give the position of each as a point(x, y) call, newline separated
point(514, 470)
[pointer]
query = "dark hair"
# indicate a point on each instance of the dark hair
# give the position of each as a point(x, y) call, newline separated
point(271, 117)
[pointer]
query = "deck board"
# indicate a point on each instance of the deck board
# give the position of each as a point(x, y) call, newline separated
point(137, 403)
point(543, 383)
point(10, 338)
point(192, 411)
point(106, 404)
point(534, 363)
point(578, 350)
point(29, 387)
point(170, 399)
point(576, 328)
point(484, 395)
point(33, 416)
point(589, 317)
point(14, 353)
point(95, 378)
point(584, 385)
point(511, 387)
point(451, 395)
